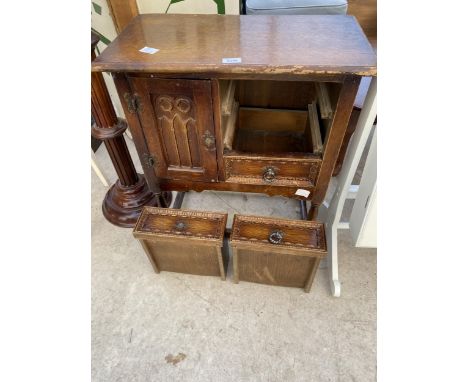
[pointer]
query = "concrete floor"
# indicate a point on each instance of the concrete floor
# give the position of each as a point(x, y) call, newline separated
point(175, 327)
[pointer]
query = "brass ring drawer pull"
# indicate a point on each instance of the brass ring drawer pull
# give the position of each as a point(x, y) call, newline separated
point(276, 237)
point(180, 226)
point(269, 175)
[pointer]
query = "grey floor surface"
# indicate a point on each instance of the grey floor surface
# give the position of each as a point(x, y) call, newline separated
point(175, 327)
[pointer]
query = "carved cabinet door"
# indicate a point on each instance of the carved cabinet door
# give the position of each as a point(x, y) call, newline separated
point(177, 120)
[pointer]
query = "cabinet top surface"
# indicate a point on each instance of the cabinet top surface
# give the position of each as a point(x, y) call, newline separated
point(297, 45)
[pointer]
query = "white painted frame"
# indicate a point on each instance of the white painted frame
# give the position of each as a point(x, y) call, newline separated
point(97, 170)
point(331, 214)
point(363, 219)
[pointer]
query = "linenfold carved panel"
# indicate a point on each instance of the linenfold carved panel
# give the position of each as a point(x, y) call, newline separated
point(176, 121)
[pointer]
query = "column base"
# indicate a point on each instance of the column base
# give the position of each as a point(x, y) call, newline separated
point(122, 205)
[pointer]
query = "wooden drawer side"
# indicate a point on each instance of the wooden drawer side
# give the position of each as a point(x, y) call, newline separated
point(184, 257)
point(273, 268)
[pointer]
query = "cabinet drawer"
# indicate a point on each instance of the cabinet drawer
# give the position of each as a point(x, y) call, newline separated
point(271, 171)
point(183, 241)
point(277, 251)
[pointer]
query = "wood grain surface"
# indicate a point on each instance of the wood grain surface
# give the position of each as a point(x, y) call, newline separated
point(297, 45)
point(253, 118)
point(276, 94)
point(122, 12)
point(365, 12)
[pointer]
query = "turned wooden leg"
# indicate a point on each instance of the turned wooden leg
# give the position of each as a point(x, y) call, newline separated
point(124, 201)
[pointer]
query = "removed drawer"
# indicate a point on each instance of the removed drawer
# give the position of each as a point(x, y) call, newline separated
point(277, 251)
point(183, 241)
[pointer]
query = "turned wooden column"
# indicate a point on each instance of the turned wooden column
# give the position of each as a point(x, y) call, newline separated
point(125, 199)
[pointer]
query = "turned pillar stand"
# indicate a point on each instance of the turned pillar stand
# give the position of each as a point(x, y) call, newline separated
point(124, 201)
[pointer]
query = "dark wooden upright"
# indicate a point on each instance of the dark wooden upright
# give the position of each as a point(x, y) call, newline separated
point(124, 201)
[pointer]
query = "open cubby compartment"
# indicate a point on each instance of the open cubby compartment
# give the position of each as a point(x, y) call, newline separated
point(276, 147)
point(274, 117)
point(273, 131)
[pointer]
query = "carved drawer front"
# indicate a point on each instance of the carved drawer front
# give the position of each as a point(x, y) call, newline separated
point(176, 118)
point(292, 172)
point(183, 241)
point(276, 251)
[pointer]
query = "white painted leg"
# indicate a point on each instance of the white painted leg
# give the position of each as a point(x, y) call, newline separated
point(332, 259)
point(331, 232)
point(97, 170)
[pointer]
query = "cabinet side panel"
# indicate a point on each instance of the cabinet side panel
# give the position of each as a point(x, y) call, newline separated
point(335, 137)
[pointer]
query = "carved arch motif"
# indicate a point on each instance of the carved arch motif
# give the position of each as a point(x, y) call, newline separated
point(177, 130)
